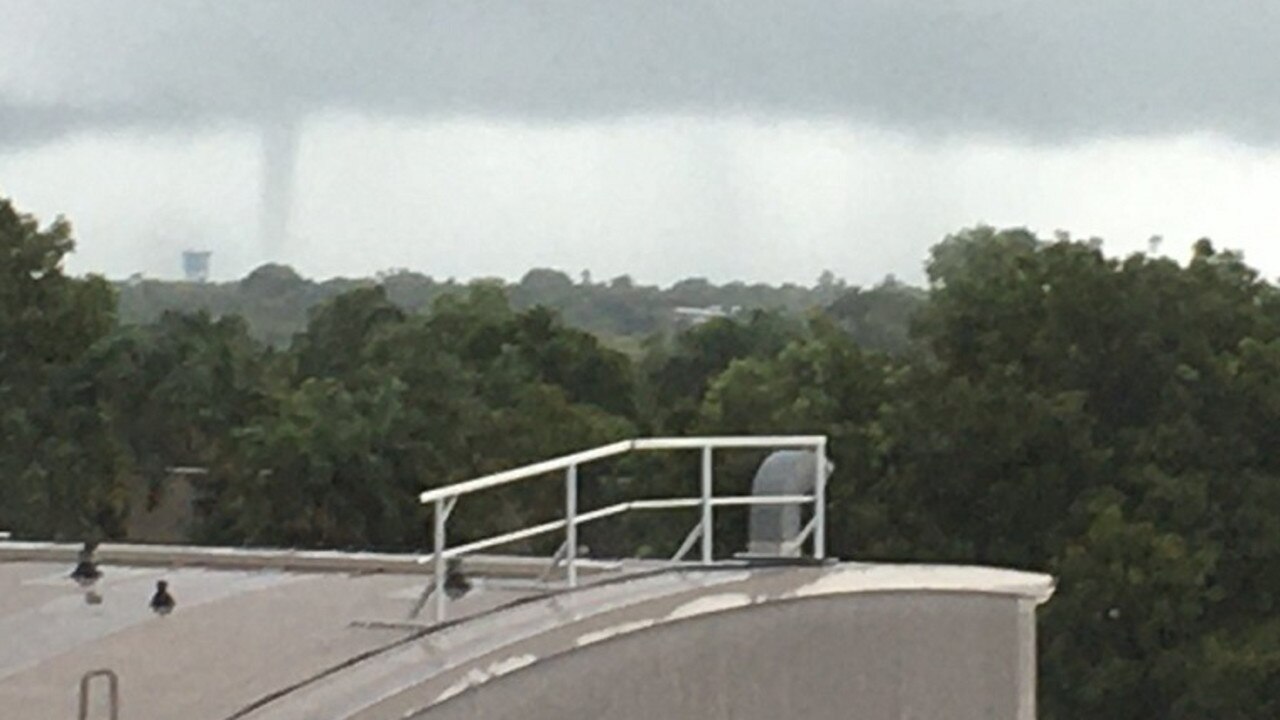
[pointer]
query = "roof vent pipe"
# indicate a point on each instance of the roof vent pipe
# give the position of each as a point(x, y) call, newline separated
point(774, 529)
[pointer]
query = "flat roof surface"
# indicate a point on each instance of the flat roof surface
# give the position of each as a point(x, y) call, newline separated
point(263, 640)
point(236, 636)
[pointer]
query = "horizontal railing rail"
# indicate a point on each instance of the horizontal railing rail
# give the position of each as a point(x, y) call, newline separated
point(443, 500)
point(618, 509)
point(612, 449)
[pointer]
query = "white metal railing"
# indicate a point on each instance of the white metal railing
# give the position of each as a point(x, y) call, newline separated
point(444, 499)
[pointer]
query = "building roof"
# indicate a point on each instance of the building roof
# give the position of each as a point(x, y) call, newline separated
point(278, 634)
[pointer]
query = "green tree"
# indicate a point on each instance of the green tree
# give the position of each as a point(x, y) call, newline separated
point(381, 406)
point(327, 468)
point(59, 469)
point(174, 392)
point(879, 318)
point(1129, 455)
point(820, 384)
point(678, 372)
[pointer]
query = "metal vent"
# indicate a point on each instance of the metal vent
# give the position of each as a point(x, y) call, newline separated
point(775, 530)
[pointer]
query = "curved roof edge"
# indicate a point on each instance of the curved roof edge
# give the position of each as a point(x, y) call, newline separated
point(874, 577)
point(481, 649)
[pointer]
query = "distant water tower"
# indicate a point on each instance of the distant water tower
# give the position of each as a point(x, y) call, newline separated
point(195, 265)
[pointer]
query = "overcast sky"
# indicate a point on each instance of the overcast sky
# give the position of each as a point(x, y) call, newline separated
point(735, 139)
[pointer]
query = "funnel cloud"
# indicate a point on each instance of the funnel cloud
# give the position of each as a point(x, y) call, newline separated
point(279, 162)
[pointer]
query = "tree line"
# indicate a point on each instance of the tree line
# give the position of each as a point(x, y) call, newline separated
point(276, 301)
point(1112, 421)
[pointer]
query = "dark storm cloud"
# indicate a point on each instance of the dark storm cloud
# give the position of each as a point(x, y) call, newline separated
point(1047, 71)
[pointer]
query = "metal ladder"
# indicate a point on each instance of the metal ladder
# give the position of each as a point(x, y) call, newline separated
point(113, 692)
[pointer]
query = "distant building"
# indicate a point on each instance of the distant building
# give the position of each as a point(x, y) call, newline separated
point(195, 265)
point(699, 315)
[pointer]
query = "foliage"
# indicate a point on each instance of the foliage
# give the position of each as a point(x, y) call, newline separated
point(276, 301)
point(879, 318)
point(1112, 422)
point(59, 468)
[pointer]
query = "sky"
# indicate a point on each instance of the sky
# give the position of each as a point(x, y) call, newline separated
point(728, 139)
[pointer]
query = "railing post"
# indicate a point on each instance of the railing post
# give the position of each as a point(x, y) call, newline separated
point(706, 505)
point(571, 524)
point(440, 569)
point(820, 500)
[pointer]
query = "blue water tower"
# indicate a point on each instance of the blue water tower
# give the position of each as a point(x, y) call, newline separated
point(195, 265)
